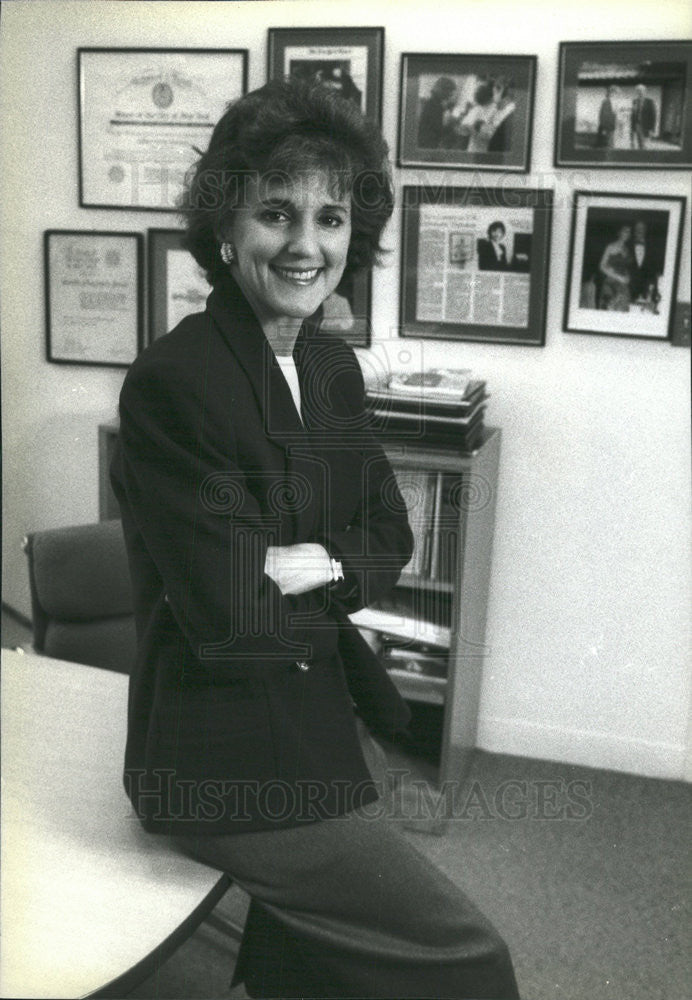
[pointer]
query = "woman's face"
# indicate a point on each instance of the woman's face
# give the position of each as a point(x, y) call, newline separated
point(291, 238)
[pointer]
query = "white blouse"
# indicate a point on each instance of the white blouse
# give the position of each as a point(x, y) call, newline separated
point(290, 372)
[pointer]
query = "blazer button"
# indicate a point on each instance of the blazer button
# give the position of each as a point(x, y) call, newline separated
point(302, 664)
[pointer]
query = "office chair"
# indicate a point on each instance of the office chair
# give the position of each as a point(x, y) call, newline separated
point(82, 611)
point(80, 595)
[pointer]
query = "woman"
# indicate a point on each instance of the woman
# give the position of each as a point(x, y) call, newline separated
point(616, 272)
point(258, 511)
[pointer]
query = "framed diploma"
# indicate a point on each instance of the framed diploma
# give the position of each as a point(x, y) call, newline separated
point(177, 284)
point(145, 115)
point(475, 263)
point(624, 263)
point(93, 297)
point(348, 60)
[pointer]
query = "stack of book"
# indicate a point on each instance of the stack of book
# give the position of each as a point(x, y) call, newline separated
point(440, 404)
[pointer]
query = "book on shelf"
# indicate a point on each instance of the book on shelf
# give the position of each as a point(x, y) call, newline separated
point(385, 399)
point(418, 492)
point(446, 541)
point(423, 662)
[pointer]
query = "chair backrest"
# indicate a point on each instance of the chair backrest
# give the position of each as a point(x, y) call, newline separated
point(81, 596)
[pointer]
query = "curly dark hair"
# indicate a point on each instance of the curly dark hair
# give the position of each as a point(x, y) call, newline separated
point(286, 128)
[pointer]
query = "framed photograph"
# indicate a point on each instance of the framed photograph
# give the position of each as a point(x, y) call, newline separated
point(347, 59)
point(145, 115)
point(623, 264)
point(475, 263)
point(466, 111)
point(93, 288)
point(624, 104)
point(178, 286)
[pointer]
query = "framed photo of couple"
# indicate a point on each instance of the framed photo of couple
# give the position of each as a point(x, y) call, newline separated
point(625, 104)
point(466, 111)
point(624, 263)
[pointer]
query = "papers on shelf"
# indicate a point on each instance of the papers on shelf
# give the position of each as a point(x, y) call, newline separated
point(434, 383)
point(403, 627)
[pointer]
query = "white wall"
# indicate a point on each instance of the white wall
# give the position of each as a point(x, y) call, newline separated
point(589, 607)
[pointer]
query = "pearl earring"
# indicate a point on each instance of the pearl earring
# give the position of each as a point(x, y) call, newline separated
point(227, 253)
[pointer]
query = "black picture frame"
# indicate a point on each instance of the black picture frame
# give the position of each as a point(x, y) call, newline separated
point(168, 262)
point(613, 287)
point(468, 290)
point(466, 111)
point(345, 313)
point(133, 102)
point(93, 297)
point(339, 67)
point(599, 122)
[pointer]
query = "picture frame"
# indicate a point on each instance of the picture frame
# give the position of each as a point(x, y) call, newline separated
point(624, 104)
point(624, 261)
point(93, 297)
point(466, 111)
point(178, 286)
point(474, 263)
point(144, 116)
point(348, 59)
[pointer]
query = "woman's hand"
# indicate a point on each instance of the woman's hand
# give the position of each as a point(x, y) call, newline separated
point(298, 568)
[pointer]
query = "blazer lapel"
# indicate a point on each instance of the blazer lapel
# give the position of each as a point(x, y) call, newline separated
point(301, 499)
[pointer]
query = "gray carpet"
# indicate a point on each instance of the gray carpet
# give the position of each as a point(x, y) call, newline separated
point(594, 907)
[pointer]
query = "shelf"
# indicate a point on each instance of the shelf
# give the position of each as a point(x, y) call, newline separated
point(419, 687)
point(421, 583)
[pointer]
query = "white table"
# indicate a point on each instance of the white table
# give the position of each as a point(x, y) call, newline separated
point(88, 898)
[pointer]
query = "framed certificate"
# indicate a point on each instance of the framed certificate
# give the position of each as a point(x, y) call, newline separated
point(348, 60)
point(177, 284)
point(93, 297)
point(623, 264)
point(475, 263)
point(145, 115)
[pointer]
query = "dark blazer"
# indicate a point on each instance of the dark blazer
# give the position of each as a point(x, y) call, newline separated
point(226, 731)
point(487, 258)
point(644, 114)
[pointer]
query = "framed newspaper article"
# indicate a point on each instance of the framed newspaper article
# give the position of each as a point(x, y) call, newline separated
point(349, 60)
point(625, 105)
point(623, 264)
point(93, 284)
point(475, 263)
point(466, 111)
point(144, 117)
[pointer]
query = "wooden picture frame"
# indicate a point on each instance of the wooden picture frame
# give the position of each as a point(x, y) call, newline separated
point(348, 59)
point(623, 264)
point(462, 112)
point(93, 297)
point(626, 105)
point(144, 116)
point(474, 263)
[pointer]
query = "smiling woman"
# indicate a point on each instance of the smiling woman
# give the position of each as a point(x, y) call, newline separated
point(258, 512)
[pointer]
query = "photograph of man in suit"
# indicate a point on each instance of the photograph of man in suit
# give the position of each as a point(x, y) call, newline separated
point(645, 268)
point(492, 252)
point(643, 118)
